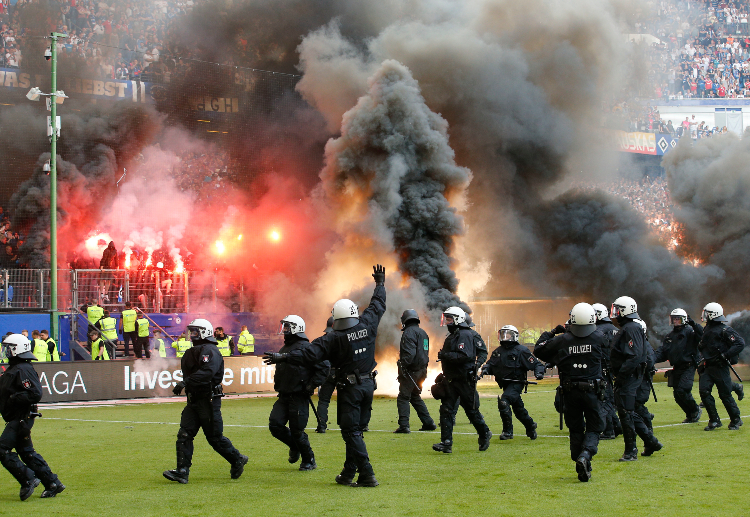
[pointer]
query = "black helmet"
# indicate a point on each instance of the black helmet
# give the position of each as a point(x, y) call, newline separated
point(409, 315)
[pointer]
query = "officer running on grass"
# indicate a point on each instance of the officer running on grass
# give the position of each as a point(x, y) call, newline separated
point(680, 348)
point(325, 392)
point(578, 356)
point(20, 390)
point(460, 358)
point(628, 367)
point(612, 427)
point(412, 371)
point(203, 371)
point(720, 345)
point(509, 363)
point(294, 384)
point(351, 350)
point(643, 392)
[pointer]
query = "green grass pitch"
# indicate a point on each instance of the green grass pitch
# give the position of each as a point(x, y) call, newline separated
point(111, 459)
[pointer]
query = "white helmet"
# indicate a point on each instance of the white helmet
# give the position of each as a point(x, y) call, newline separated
point(625, 307)
point(292, 325)
point(582, 320)
point(345, 314)
point(602, 314)
point(200, 330)
point(678, 317)
point(457, 313)
point(643, 325)
point(713, 312)
point(18, 345)
point(508, 333)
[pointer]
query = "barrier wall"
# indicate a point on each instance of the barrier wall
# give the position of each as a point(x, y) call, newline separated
point(141, 378)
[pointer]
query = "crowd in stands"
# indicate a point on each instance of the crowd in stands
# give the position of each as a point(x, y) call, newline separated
point(10, 240)
point(650, 197)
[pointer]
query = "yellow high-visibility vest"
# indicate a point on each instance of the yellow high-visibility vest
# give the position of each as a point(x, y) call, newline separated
point(223, 346)
point(95, 350)
point(182, 345)
point(128, 320)
point(55, 353)
point(109, 328)
point(142, 327)
point(246, 342)
point(94, 313)
point(40, 350)
point(161, 348)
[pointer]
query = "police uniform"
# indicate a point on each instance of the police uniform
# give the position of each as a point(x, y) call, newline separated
point(579, 363)
point(719, 344)
point(509, 363)
point(294, 384)
point(413, 357)
point(352, 352)
point(643, 393)
point(203, 371)
point(129, 332)
point(141, 342)
point(460, 357)
point(325, 392)
point(628, 357)
point(20, 390)
point(612, 426)
point(680, 348)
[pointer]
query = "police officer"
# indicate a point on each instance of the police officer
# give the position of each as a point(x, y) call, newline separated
point(412, 371)
point(578, 356)
point(612, 427)
point(680, 348)
point(351, 350)
point(203, 371)
point(223, 342)
point(294, 384)
point(460, 358)
point(127, 327)
point(644, 390)
point(509, 363)
point(20, 391)
point(325, 392)
point(719, 345)
point(628, 356)
point(140, 344)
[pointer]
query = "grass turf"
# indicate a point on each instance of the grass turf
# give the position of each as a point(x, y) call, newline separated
point(111, 460)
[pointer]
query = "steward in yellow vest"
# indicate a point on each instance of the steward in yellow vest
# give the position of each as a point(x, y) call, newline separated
point(97, 345)
point(38, 347)
point(245, 342)
point(94, 313)
point(159, 344)
point(223, 342)
point(127, 327)
point(182, 345)
point(141, 343)
point(53, 354)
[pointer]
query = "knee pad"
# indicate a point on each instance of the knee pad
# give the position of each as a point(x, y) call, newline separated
point(4, 453)
point(704, 394)
point(183, 436)
point(502, 404)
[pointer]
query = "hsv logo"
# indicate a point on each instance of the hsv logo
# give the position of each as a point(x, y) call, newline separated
point(26, 383)
point(204, 358)
point(630, 343)
point(460, 346)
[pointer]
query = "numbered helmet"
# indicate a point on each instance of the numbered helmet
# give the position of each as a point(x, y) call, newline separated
point(625, 307)
point(582, 320)
point(200, 330)
point(713, 312)
point(678, 317)
point(292, 325)
point(18, 345)
point(456, 314)
point(409, 315)
point(602, 314)
point(508, 333)
point(329, 325)
point(345, 314)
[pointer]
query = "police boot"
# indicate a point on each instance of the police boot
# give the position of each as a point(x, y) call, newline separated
point(484, 441)
point(712, 425)
point(531, 431)
point(445, 446)
point(345, 478)
point(320, 429)
point(652, 446)
point(28, 487)
point(53, 489)
point(583, 466)
point(734, 425)
point(366, 481)
point(308, 464)
point(238, 468)
point(631, 451)
point(179, 475)
point(402, 429)
point(428, 427)
point(293, 455)
point(695, 417)
point(739, 389)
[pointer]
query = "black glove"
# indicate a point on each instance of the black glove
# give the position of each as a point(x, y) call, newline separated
point(440, 354)
point(549, 366)
point(309, 390)
point(378, 274)
point(539, 376)
point(558, 330)
point(690, 321)
point(178, 388)
point(273, 358)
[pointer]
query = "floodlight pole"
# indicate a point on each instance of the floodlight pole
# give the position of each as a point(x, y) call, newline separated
point(53, 192)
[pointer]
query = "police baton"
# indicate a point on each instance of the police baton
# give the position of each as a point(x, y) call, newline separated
point(403, 370)
point(732, 368)
point(315, 411)
point(651, 384)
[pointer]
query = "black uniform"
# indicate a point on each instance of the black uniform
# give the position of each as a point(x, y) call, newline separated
point(509, 363)
point(294, 384)
point(720, 343)
point(352, 353)
point(680, 348)
point(462, 353)
point(413, 356)
point(203, 371)
point(628, 358)
point(612, 426)
point(644, 390)
point(579, 362)
point(20, 389)
point(325, 392)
